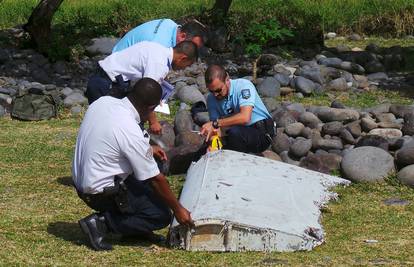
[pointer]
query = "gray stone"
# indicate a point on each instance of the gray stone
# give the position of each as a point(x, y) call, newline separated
point(75, 98)
point(183, 122)
point(406, 175)
point(405, 155)
point(355, 37)
point(76, 110)
point(374, 67)
point(373, 140)
point(294, 129)
point(322, 162)
point(37, 85)
point(60, 67)
point(271, 155)
point(354, 128)
point(283, 118)
point(309, 119)
point(341, 48)
point(188, 137)
point(400, 110)
point(285, 158)
point(347, 137)
point(102, 45)
point(313, 74)
point(381, 108)
point(362, 81)
point(330, 35)
point(201, 81)
point(201, 117)
point(408, 128)
point(300, 147)
point(367, 164)
point(270, 103)
point(286, 90)
point(268, 59)
point(306, 132)
point(332, 128)
point(66, 91)
point(339, 84)
point(279, 68)
point(327, 144)
point(386, 124)
point(385, 117)
point(166, 139)
point(352, 67)
point(283, 79)
point(331, 62)
point(280, 143)
point(270, 87)
point(387, 133)
point(334, 114)
point(378, 76)
point(190, 94)
point(299, 95)
point(297, 107)
point(337, 104)
point(303, 85)
point(308, 63)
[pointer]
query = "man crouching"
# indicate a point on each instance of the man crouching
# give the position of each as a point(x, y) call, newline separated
point(114, 170)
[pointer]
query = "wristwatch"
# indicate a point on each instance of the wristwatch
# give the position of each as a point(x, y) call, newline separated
point(215, 124)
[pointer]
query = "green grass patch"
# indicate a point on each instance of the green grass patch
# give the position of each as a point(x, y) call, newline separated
point(39, 211)
point(381, 42)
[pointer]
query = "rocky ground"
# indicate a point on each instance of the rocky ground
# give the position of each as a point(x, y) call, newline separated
point(361, 144)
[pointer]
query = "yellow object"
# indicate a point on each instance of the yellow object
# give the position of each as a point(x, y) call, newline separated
point(215, 143)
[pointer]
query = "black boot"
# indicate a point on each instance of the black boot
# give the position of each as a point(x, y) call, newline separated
point(95, 228)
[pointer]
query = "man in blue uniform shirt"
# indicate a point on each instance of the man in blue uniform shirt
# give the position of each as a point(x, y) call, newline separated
point(163, 31)
point(236, 107)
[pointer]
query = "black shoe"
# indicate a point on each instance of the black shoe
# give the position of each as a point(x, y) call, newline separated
point(95, 228)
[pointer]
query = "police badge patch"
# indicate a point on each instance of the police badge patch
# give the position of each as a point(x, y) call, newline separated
point(245, 93)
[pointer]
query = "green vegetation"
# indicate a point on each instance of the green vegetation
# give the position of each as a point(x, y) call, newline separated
point(39, 212)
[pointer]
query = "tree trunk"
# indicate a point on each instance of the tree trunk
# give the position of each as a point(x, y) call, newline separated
point(39, 24)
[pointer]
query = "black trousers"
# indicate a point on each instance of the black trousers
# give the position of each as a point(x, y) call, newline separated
point(99, 84)
point(145, 213)
point(250, 139)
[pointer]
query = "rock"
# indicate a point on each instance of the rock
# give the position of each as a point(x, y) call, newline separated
point(347, 137)
point(362, 81)
point(387, 133)
point(385, 117)
point(373, 140)
point(283, 118)
point(285, 158)
point(102, 45)
point(201, 117)
point(374, 67)
point(337, 104)
point(66, 91)
point(271, 155)
point(314, 163)
point(280, 68)
point(60, 67)
point(303, 85)
point(373, 48)
point(75, 98)
point(368, 124)
point(180, 158)
point(367, 164)
point(183, 122)
point(217, 40)
point(313, 74)
point(167, 138)
point(400, 110)
point(4, 56)
point(327, 144)
point(309, 119)
point(270, 87)
point(354, 128)
point(299, 95)
point(41, 76)
point(341, 48)
point(268, 59)
point(202, 84)
point(300, 147)
point(294, 129)
point(406, 175)
point(355, 37)
point(378, 76)
point(270, 103)
point(295, 107)
point(394, 125)
point(286, 90)
point(352, 67)
point(282, 78)
point(331, 62)
point(405, 155)
point(192, 138)
point(190, 94)
point(280, 143)
point(339, 84)
point(332, 128)
point(408, 128)
point(330, 35)
point(334, 114)
point(76, 110)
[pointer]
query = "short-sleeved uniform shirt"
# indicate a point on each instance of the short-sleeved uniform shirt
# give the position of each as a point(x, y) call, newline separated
point(162, 31)
point(110, 142)
point(242, 93)
point(145, 59)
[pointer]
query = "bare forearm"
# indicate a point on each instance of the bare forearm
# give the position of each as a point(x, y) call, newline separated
point(152, 118)
point(162, 188)
point(237, 119)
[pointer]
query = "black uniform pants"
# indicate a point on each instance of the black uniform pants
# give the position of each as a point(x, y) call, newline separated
point(255, 138)
point(143, 213)
point(99, 84)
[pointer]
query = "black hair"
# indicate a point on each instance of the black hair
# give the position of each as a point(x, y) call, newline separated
point(187, 48)
point(213, 72)
point(193, 29)
point(146, 92)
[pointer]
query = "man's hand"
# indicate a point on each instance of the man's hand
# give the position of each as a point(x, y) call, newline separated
point(207, 130)
point(183, 216)
point(159, 153)
point(155, 128)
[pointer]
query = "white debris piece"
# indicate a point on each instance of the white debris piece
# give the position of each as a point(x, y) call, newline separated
point(241, 202)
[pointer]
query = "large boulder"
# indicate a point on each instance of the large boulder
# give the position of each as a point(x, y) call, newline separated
point(335, 114)
point(303, 85)
point(367, 164)
point(406, 175)
point(183, 121)
point(167, 137)
point(270, 87)
point(405, 155)
point(102, 45)
point(190, 94)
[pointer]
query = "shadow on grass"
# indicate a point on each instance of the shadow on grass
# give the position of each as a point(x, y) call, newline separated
point(71, 232)
point(65, 180)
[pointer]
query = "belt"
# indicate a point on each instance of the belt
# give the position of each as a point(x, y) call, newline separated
point(266, 126)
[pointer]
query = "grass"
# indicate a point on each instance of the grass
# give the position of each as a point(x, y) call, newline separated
point(39, 212)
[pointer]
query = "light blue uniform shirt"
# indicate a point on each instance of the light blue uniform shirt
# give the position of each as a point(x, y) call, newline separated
point(162, 31)
point(242, 93)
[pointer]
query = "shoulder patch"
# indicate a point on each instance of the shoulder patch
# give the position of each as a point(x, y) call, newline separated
point(245, 93)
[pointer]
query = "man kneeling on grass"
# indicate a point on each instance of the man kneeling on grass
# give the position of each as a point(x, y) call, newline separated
point(115, 173)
